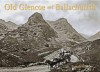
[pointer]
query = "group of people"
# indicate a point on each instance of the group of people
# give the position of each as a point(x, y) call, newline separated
point(64, 54)
point(64, 57)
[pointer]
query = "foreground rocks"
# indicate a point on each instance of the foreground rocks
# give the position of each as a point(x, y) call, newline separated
point(75, 67)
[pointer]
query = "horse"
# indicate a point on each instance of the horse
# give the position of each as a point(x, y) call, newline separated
point(51, 63)
point(60, 61)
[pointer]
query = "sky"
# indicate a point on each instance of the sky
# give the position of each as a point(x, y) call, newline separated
point(85, 22)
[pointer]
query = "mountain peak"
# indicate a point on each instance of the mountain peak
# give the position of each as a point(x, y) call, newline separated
point(36, 18)
point(36, 14)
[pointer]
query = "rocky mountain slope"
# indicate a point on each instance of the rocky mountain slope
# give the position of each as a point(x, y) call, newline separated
point(65, 31)
point(94, 37)
point(25, 43)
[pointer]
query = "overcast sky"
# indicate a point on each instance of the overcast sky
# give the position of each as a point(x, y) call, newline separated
point(86, 22)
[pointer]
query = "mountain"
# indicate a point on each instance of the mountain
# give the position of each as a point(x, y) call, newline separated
point(10, 25)
point(95, 36)
point(28, 42)
point(65, 31)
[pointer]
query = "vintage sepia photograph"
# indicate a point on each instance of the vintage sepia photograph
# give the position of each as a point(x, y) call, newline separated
point(49, 36)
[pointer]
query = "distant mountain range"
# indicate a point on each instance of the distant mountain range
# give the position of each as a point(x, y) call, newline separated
point(10, 25)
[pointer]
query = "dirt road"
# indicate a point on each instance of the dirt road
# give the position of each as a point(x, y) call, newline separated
point(41, 68)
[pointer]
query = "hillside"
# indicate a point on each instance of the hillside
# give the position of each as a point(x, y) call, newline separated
point(89, 52)
point(65, 31)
